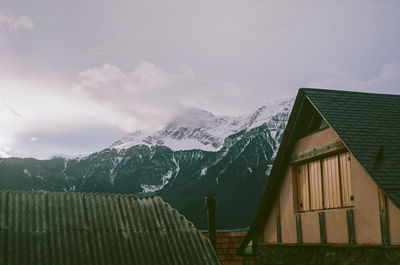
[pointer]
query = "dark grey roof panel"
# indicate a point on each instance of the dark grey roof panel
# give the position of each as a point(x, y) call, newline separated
point(79, 228)
point(368, 124)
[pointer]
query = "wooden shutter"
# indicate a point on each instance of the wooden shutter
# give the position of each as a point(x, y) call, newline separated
point(314, 172)
point(303, 195)
point(331, 182)
point(345, 175)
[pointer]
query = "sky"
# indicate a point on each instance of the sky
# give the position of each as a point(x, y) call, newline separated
point(77, 75)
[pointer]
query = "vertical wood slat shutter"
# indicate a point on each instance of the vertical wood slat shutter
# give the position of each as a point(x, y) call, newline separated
point(347, 191)
point(303, 199)
point(314, 171)
point(331, 182)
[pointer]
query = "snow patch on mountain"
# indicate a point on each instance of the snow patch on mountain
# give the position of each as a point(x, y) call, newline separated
point(132, 139)
point(199, 129)
point(153, 188)
point(27, 172)
point(265, 113)
point(115, 163)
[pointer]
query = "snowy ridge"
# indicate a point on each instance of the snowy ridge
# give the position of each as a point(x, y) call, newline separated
point(199, 129)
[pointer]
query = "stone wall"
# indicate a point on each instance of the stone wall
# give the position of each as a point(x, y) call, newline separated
point(326, 255)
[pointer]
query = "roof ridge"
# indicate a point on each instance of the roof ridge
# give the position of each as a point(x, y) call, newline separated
point(327, 90)
point(177, 213)
point(69, 192)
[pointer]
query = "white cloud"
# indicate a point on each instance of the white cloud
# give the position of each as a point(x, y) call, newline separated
point(37, 120)
point(6, 108)
point(244, 54)
point(3, 154)
point(147, 96)
point(386, 81)
point(11, 21)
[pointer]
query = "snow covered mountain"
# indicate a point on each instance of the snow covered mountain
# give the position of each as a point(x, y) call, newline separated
point(199, 129)
point(195, 154)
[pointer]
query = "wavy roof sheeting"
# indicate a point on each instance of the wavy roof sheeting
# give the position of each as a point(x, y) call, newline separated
point(89, 228)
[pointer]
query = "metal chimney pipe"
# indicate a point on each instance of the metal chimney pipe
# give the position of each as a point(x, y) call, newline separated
point(212, 228)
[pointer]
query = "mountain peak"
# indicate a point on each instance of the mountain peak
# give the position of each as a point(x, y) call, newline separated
point(267, 111)
point(195, 128)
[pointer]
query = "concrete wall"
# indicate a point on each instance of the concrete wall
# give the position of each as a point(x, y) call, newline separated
point(365, 211)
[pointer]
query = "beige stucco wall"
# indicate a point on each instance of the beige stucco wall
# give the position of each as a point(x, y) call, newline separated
point(366, 206)
point(309, 142)
point(394, 223)
point(336, 226)
point(288, 218)
point(310, 227)
point(270, 235)
point(288, 221)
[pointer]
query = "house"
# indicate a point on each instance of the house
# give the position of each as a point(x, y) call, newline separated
point(88, 228)
point(333, 194)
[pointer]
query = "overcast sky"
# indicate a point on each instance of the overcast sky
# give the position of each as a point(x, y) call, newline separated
point(76, 75)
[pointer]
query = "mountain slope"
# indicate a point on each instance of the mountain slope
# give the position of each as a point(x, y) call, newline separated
point(232, 159)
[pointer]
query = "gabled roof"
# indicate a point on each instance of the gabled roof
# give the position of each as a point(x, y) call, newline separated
point(369, 126)
point(89, 228)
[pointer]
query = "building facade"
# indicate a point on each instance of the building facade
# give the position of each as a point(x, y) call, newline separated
point(333, 193)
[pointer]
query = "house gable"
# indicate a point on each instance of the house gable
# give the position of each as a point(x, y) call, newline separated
point(369, 125)
point(337, 108)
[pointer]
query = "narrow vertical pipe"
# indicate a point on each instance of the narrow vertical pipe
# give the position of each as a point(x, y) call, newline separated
point(212, 228)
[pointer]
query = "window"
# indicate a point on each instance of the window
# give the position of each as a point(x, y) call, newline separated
point(324, 183)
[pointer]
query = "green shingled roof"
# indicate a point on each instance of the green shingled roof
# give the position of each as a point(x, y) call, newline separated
point(85, 228)
point(368, 124)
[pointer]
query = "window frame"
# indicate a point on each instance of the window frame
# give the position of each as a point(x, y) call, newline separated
point(321, 159)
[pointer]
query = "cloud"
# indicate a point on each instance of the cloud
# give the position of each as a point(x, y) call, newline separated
point(103, 105)
point(11, 21)
point(39, 121)
point(387, 80)
point(4, 152)
point(147, 96)
point(5, 107)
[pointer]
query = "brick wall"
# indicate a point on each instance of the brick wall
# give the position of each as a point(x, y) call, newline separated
point(228, 243)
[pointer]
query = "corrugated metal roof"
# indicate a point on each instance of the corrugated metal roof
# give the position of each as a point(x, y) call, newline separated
point(88, 228)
